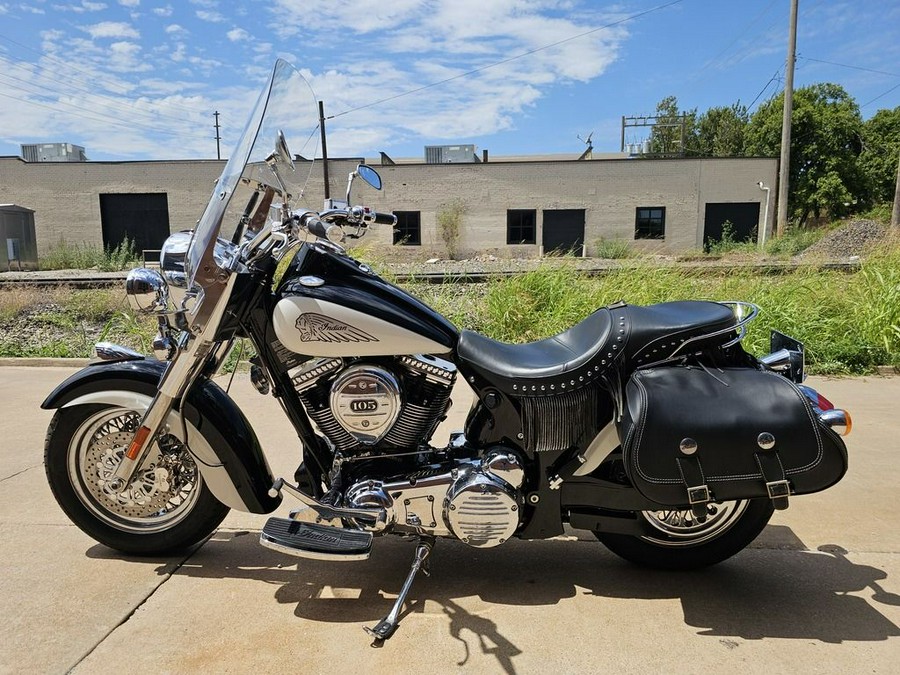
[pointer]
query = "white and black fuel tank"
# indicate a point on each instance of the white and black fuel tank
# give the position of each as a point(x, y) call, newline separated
point(331, 305)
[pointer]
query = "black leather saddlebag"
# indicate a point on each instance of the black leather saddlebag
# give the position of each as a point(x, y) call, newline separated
point(692, 435)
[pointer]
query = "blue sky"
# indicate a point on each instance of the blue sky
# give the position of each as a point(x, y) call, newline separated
point(140, 79)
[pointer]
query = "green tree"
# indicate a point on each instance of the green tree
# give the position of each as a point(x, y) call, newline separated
point(721, 130)
point(826, 140)
point(671, 136)
point(881, 150)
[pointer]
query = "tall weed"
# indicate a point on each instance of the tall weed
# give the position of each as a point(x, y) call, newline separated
point(83, 256)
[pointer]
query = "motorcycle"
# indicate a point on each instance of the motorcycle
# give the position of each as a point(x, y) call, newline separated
point(649, 426)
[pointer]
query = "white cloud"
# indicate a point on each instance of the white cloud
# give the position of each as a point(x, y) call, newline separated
point(238, 34)
point(111, 29)
point(129, 3)
point(125, 57)
point(31, 9)
point(496, 55)
point(85, 6)
point(180, 52)
point(386, 49)
point(212, 17)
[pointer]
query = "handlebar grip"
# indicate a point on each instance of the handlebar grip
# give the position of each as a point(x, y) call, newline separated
point(384, 218)
point(317, 228)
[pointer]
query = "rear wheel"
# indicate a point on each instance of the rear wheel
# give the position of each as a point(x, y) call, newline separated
point(676, 540)
point(167, 507)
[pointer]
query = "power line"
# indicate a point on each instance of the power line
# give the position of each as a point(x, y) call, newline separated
point(896, 86)
point(845, 65)
point(507, 60)
point(761, 91)
point(92, 77)
point(27, 101)
point(90, 84)
point(35, 90)
point(116, 102)
point(743, 33)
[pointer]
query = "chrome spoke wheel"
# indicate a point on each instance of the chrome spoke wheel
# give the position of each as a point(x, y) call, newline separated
point(163, 490)
point(679, 527)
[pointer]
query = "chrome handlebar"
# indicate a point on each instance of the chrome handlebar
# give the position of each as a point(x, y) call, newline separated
point(274, 238)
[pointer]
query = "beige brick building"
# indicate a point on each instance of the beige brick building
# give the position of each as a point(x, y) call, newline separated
point(507, 208)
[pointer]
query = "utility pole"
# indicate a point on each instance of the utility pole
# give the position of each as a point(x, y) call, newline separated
point(324, 149)
point(785, 162)
point(218, 138)
point(895, 212)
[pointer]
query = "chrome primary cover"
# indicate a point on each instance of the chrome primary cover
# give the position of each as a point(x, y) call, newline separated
point(482, 511)
point(365, 400)
point(466, 499)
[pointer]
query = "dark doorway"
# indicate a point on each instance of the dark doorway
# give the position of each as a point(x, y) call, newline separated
point(742, 216)
point(141, 217)
point(563, 231)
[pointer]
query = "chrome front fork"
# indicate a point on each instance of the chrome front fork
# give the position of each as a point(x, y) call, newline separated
point(180, 373)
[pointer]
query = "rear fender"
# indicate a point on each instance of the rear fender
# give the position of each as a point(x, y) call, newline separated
point(220, 438)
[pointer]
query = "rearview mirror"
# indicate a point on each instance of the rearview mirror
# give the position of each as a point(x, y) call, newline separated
point(370, 175)
point(367, 173)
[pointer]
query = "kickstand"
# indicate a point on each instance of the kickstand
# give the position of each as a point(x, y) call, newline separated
point(388, 625)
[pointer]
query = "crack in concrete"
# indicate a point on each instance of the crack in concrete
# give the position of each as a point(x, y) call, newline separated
point(134, 610)
point(19, 473)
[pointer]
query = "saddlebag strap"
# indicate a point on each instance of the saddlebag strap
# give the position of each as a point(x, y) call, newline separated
point(772, 471)
point(692, 475)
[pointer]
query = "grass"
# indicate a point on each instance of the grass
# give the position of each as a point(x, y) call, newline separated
point(849, 322)
point(613, 249)
point(66, 322)
point(84, 256)
point(794, 241)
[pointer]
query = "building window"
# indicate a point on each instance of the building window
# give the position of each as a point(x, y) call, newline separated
point(408, 230)
point(650, 222)
point(521, 226)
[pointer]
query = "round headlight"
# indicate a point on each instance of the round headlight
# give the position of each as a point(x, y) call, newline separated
point(147, 291)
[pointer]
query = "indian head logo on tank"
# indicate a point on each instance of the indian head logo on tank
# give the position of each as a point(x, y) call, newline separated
point(318, 328)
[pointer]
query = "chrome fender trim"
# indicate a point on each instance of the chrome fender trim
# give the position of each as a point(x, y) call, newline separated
point(209, 464)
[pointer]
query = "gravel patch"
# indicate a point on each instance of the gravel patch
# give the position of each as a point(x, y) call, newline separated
point(854, 240)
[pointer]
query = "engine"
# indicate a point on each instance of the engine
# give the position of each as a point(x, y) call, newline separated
point(375, 412)
point(477, 501)
point(382, 405)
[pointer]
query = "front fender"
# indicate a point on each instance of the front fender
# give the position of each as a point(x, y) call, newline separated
point(222, 441)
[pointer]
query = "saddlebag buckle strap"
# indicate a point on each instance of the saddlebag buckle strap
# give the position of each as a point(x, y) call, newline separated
point(777, 485)
point(695, 483)
point(778, 489)
point(698, 494)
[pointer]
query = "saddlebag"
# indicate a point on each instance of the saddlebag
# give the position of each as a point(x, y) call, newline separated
point(692, 435)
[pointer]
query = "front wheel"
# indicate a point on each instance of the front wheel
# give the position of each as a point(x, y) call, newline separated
point(675, 540)
point(167, 507)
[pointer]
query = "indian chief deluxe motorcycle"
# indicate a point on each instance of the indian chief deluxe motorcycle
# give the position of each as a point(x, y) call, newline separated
point(649, 426)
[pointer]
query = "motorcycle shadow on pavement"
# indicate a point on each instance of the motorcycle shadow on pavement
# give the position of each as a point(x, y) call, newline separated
point(763, 592)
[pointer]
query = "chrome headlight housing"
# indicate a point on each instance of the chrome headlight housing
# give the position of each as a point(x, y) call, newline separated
point(171, 264)
point(147, 291)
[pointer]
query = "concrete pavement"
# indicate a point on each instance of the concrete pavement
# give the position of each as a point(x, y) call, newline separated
point(819, 591)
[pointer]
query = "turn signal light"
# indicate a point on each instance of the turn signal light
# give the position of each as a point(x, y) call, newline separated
point(839, 420)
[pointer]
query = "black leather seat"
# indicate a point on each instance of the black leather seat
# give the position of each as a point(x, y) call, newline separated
point(574, 358)
point(552, 365)
point(655, 331)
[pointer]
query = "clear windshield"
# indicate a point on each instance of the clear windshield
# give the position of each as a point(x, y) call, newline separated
point(286, 103)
